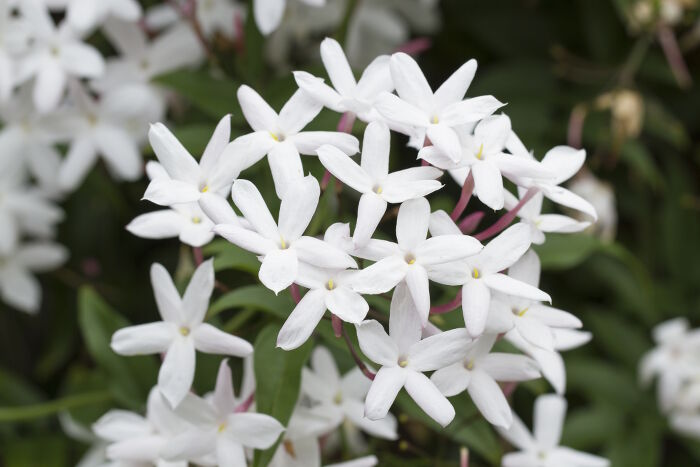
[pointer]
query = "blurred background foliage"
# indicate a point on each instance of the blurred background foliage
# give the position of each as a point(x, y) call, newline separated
point(592, 73)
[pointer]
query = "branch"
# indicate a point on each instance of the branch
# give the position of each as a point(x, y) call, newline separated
point(507, 218)
point(358, 361)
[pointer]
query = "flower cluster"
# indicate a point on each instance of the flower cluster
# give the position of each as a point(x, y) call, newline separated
point(494, 273)
point(675, 364)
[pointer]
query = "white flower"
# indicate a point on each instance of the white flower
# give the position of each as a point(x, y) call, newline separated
point(188, 180)
point(282, 245)
point(410, 259)
point(601, 195)
point(281, 136)
point(478, 374)
point(531, 214)
point(181, 332)
point(221, 16)
point(137, 439)
point(18, 287)
point(268, 13)
point(404, 357)
point(482, 153)
point(13, 41)
point(56, 55)
point(300, 445)
point(347, 95)
point(85, 15)
point(542, 449)
point(563, 162)
point(373, 180)
point(217, 429)
point(550, 362)
point(675, 358)
point(186, 221)
point(342, 398)
point(480, 274)
point(99, 128)
point(434, 115)
point(24, 209)
point(534, 321)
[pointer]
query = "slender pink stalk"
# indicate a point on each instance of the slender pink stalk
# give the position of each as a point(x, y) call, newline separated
point(415, 46)
point(325, 180)
point(358, 361)
point(449, 306)
point(509, 388)
point(464, 457)
point(294, 290)
point(245, 405)
point(337, 326)
point(346, 122)
point(673, 54)
point(198, 255)
point(471, 222)
point(507, 218)
point(464, 197)
point(575, 131)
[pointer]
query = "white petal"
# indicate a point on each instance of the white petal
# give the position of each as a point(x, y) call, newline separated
point(451, 380)
point(256, 111)
point(559, 223)
point(195, 301)
point(571, 200)
point(344, 168)
point(209, 339)
point(405, 324)
point(470, 110)
point(121, 152)
point(519, 436)
point(417, 282)
point(489, 399)
point(375, 150)
point(116, 425)
point(166, 192)
point(179, 164)
point(285, 165)
point(380, 277)
point(347, 305)
point(41, 256)
point(439, 350)
point(308, 142)
point(320, 253)
point(488, 184)
point(375, 79)
point(445, 139)
point(82, 60)
point(279, 269)
point(370, 211)
point(446, 248)
point(337, 67)
point(298, 207)
point(385, 387)
point(177, 370)
point(509, 367)
point(429, 398)
point(504, 250)
point(254, 430)
point(376, 344)
point(455, 87)
point(218, 209)
point(229, 453)
point(554, 317)
point(567, 456)
point(49, 87)
point(394, 109)
point(246, 239)
point(319, 90)
point(409, 80)
point(216, 145)
point(510, 286)
point(527, 269)
point(80, 158)
point(412, 223)
point(384, 428)
point(475, 306)
point(144, 339)
point(302, 320)
point(167, 296)
point(158, 224)
point(550, 411)
point(251, 203)
point(564, 162)
point(299, 110)
point(268, 14)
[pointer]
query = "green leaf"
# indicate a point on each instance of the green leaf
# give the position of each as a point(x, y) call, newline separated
point(130, 377)
point(213, 96)
point(256, 297)
point(28, 412)
point(233, 257)
point(15, 391)
point(564, 251)
point(37, 451)
point(278, 380)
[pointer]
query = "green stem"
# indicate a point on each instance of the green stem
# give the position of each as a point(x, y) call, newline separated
point(45, 409)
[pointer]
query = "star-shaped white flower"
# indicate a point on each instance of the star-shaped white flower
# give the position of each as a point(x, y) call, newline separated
point(411, 258)
point(281, 138)
point(404, 357)
point(433, 115)
point(56, 55)
point(347, 95)
point(341, 398)
point(282, 245)
point(373, 180)
point(268, 13)
point(478, 374)
point(85, 15)
point(542, 449)
point(181, 332)
point(18, 286)
point(135, 439)
point(480, 274)
point(218, 430)
point(482, 154)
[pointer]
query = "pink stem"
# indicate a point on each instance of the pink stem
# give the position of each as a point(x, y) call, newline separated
point(507, 218)
point(337, 326)
point(358, 361)
point(471, 222)
point(416, 46)
point(198, 256)
point(325, 180)
point(245, 405)
point(673, 54)
point(575, 131)
point(294, 289)
point(449, 306)
point(346, 122)
point(464, 457)
point(509, 388)
point(464, 197)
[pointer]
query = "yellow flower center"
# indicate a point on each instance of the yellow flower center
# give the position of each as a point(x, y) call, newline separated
point(403, 362)
point(289, 447)
point(185, 331)
point(330, 285)
point(196, 220)
point(476, 274)
point(222, 427)
point(480, 154)
point(410, 259)
point(378, 190)
point(204, 189)
point(434, 120)
point(522, 312)
point(338, 399)
point(469, 365)
point(283, 243)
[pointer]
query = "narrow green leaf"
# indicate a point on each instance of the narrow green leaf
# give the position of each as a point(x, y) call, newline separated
point(13, 414)
point(216, 97)
point(256, 297)
point(564, 251)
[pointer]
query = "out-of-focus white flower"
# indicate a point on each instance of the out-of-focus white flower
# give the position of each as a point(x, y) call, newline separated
point(268, 13)
point(181, 332)
point(18, 286)
point(404, 357)
point(478, 372)
point(542, 448)
point(221, 16)
point(282, 245)
point(482, 153)
point(99, 129)
point(410, 259)
point(341, 398)
point(533, 320)
point(281, 138)
point(218, 430)
point(601, 196)
point(85, 15)
point(347, 95)
point(480, 274)
point(433, 115)
point(300, 446)
point(373, 180)
point(137, 440)
point(14, 38)
point(56, 54)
